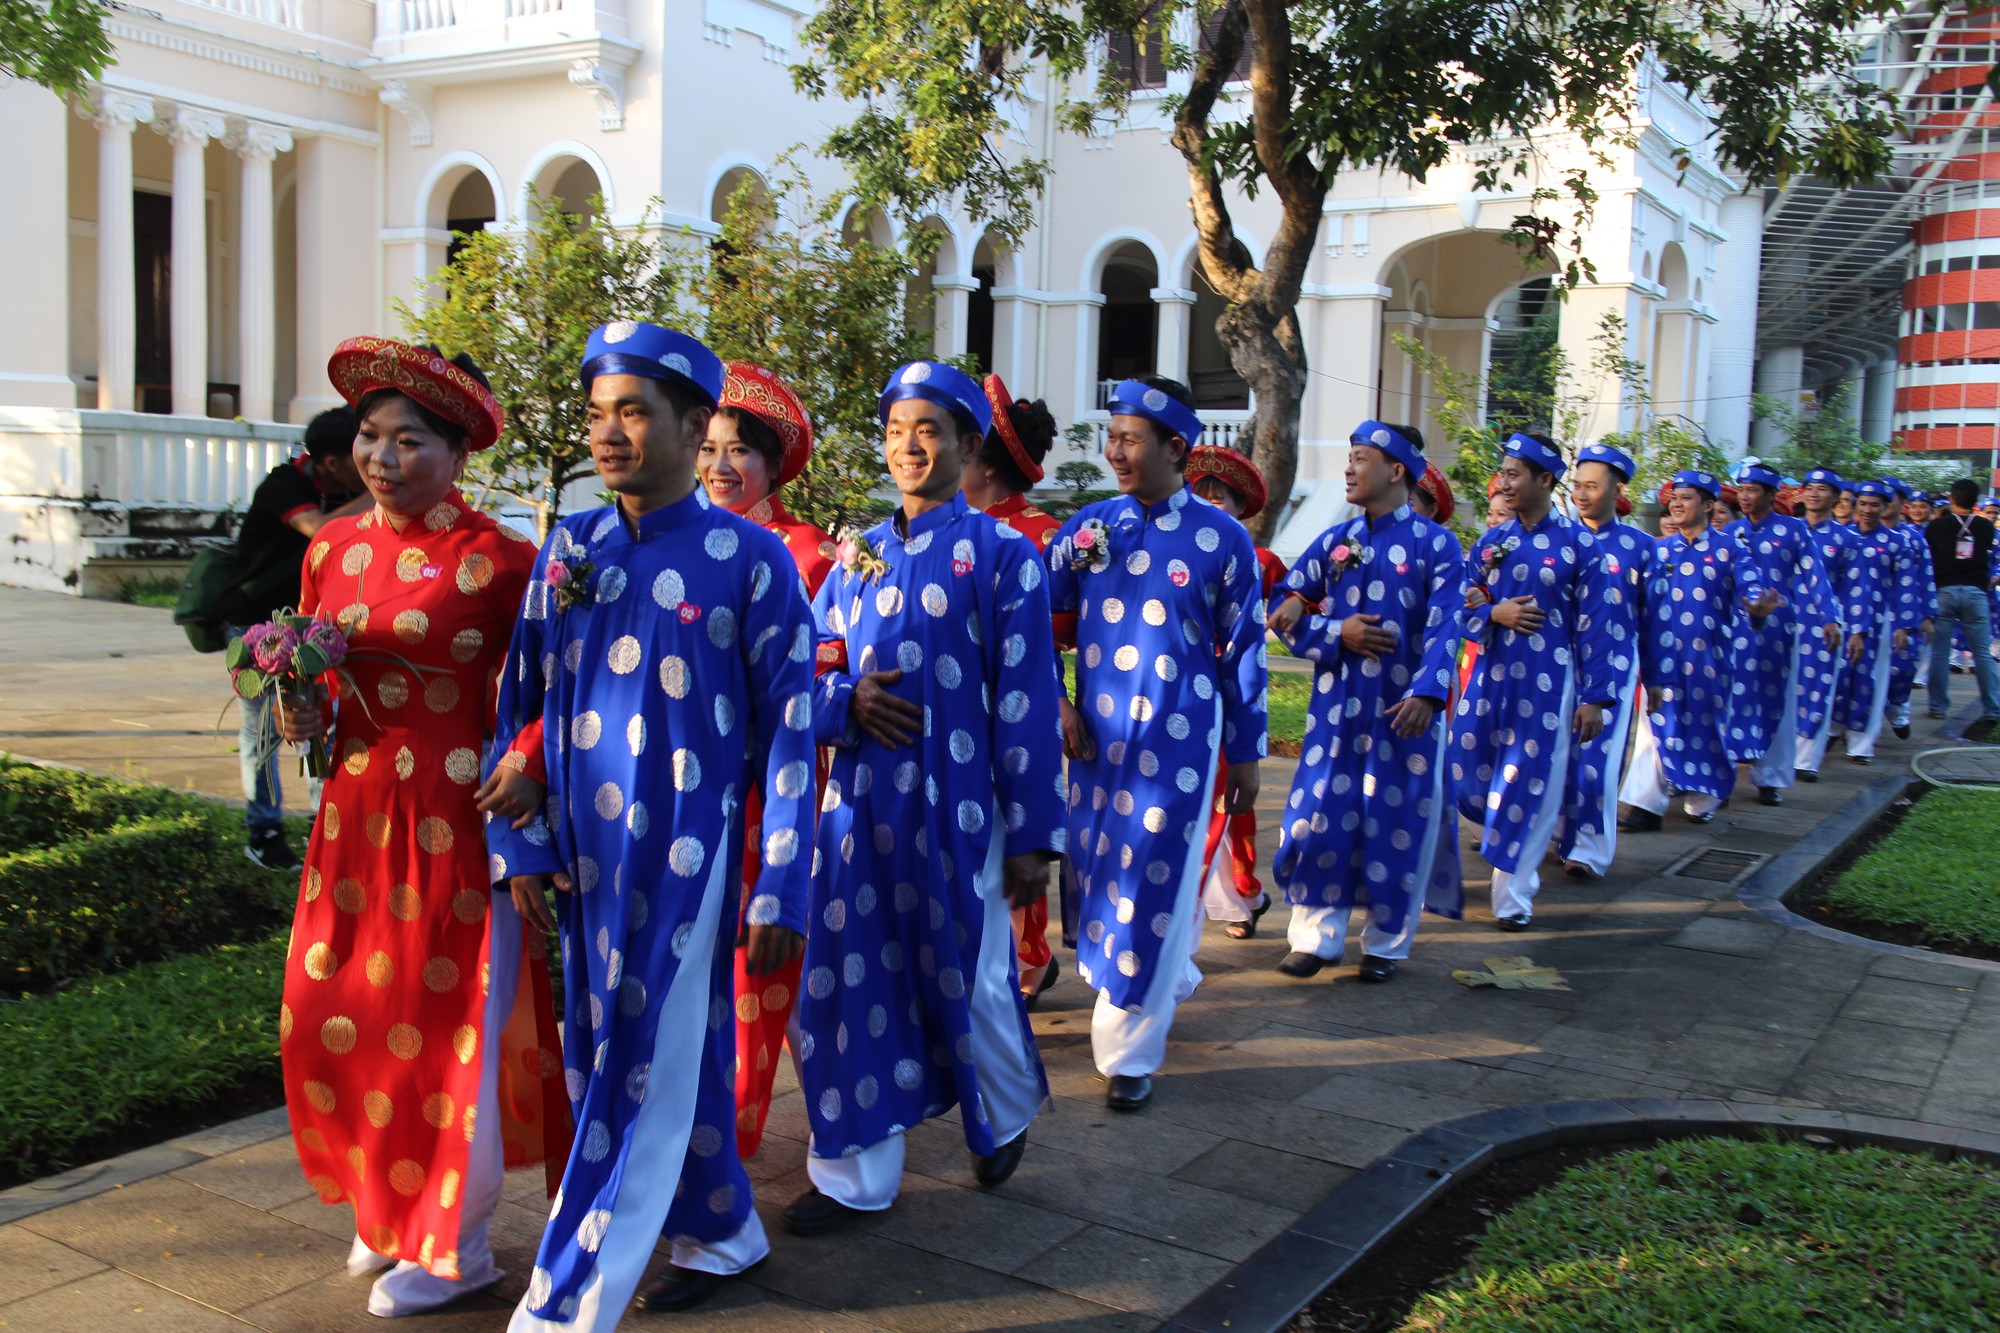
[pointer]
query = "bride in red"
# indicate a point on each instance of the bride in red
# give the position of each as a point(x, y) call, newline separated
point(411, 1071)
point(761, 437)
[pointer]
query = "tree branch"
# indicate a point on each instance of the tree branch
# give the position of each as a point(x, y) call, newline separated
point(1224, 261)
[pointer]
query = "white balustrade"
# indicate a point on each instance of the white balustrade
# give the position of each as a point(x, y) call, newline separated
point(133, 459)
point(283, 13)
point(1230, 429)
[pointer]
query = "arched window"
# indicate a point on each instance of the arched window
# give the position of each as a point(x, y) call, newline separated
point(979, 310)
point(469, 209)
point(1127, 337)
point(1210, 373)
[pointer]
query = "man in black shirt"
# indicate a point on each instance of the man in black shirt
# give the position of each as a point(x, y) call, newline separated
point(1961, 545)
point(288, 508)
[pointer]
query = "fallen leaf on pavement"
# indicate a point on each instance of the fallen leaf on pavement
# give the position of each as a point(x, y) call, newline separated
point(1516, 973)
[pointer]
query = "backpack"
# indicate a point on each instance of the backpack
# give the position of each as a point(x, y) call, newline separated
point(218, 591)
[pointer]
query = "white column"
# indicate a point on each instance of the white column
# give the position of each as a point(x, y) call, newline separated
point(1173, 325)
point(1780, 374)
point(189, 130)
point(258, 145)
point(1733, 360)
point(117, 114)
point(1878, 402)
point(954, 311)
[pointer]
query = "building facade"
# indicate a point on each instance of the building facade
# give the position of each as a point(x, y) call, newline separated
point(256, 179)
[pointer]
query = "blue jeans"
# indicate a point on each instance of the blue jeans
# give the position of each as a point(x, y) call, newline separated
point(1965, 609)
point(259, 751)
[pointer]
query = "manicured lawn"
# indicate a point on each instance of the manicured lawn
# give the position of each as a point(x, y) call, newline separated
point(1933, 874)
point(1290, 692)
point(1717, 1234)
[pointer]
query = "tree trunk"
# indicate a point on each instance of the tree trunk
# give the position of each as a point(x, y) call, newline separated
point(1277, 378)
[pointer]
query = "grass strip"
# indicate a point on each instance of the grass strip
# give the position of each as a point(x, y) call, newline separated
point(1290, 693)
point(1706, 1235)
point(1933, 873)
point(112, 1052)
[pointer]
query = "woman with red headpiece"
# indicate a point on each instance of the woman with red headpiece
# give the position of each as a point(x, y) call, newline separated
point(997, 483)
point(1432, 497)
point(1232, 483)
point(761, 437)
point(411, 1072)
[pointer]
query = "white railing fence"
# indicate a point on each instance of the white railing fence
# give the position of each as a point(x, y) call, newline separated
point(1230, 429)
point(284, 13)
point(129, 458)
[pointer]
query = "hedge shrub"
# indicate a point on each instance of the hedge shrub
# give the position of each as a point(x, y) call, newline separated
point(40, 807)
point(113, 1052)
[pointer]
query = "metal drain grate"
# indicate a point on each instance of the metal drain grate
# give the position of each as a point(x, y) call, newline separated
point(1719, 865)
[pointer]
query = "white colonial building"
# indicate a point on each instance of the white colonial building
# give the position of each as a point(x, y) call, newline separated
point(255, 179)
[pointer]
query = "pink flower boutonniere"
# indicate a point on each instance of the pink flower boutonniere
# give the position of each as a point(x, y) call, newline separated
point(1348, 556)
point(569, 582)
point(1090, 547)
point(860, 559)
point(1495, 556)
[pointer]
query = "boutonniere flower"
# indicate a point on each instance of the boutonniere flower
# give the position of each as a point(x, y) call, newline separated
point(1090, 547)
point(1348, 556)
point(571, 582)
point(860, 559)
point(1495, 556)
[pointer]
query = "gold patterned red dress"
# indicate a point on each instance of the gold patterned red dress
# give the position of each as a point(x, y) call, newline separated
point(381, 1030)
point(764, 1004)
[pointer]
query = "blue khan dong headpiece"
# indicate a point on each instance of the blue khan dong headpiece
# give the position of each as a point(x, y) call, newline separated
point(629, 347)
point(1696, 479)
point(1378, 435)
point(1616, 459)
point(1531, 450)
point(950, 388)
point(1756, 474)
point(1132, 398)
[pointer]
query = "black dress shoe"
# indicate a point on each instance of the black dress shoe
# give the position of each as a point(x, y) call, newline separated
point(1770, 796)
point(990, 1171)
point(1377, 969)
point(1297, 964)
point(1933, 712)
point(1513, 925)
point(1706, 817)
point(1578, 870)
point(1639, 821)
point(1861, 759)
point(685, 1288)
point(1902, 730)
point(1247, 930)
point(1050, 975)
point(1805, 775)
point(812, 1213)
point(1128, 1092)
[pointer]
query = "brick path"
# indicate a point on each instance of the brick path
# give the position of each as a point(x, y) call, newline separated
point(1274, 1092)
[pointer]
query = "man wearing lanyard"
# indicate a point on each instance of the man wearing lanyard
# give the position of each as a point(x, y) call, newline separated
point(1961, 550)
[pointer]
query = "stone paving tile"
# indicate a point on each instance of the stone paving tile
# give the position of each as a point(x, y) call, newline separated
point(224, 1254)
point(1912, 1004)
point(1732, 1054)
point(1389, 1104)
point(1878, 1051)
point(265, 1176)
point(339, 1304)
point(1851, 1092)
point(114, 1302)
point(244, 1133)
point(1126, 1272)
point(1267, 1175)
point(1740, 939)
point(988, 1228)
point(1325, 1134)
point(30, 1263)
point(1931, 971)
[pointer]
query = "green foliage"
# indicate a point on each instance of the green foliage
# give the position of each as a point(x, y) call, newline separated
point(120, 874)
point(116, 1051)
point(1931, 873)
point(1080, 474)
point(160, 590)
point(780, 288)
point(1831, 438)
point(784, 290)
point(60, 44)
point(1290, 696)
point(523, 304)
point(1705, 1235)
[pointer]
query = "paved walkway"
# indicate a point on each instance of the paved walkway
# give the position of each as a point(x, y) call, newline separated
point(1274, 1092)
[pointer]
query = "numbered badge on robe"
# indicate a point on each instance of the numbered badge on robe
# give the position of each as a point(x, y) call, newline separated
point(1964, 547)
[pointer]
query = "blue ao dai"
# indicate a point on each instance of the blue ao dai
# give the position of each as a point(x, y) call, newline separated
point(1369, 821)
point(1587, 833)
point(910, 1004)
point(1513, 736)
point(683, 678)
point(1767, 658)
point(1887, 600)
point(1694, 591)
point(1916, 582)
point(1170, 668)
point(1823, 670)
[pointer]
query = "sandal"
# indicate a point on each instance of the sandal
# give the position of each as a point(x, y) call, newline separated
point(1247, 930)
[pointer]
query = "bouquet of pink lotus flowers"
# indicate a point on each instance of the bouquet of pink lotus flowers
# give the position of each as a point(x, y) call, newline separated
point(287, 654)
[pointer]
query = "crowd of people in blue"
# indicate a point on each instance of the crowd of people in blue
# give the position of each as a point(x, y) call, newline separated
point(821, 785)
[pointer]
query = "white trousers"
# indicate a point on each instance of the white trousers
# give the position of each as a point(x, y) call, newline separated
point(1861, 744)
point(408, 1288)
point(1812, 747)
point(1004, 1066)
point(1135, 1044)
point(1646, 786)
point(1514, 893)
point(659, 1147)
point(1781, 757)
point(1596, 847)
